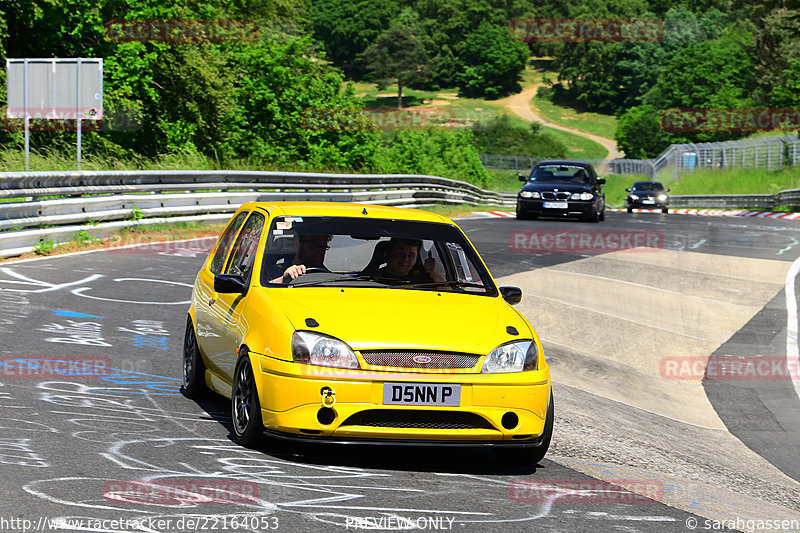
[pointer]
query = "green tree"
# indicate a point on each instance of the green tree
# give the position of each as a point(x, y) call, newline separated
point(398, 54)
point(787, 92)
point(289, 106)
point(716, 73)
point(775, 25)
point(639, 133)
point(348, 27)
point(493, 63)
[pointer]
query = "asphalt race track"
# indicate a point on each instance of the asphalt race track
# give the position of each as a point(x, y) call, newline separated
point(639, 444)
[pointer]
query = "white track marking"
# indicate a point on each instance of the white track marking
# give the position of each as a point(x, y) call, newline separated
point(792, 353)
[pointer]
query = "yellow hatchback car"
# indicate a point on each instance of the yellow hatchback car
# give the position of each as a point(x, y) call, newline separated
point(364, 324)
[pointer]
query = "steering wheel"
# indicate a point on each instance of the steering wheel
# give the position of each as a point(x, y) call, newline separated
point(313, 270)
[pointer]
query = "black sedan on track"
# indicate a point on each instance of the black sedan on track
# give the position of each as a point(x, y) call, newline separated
point(647, 195)
point(562, 189)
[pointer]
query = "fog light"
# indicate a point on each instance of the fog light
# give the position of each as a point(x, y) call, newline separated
point(326, 416)
point(510, 420)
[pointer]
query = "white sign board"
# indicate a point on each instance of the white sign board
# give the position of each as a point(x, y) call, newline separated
point(55, 88)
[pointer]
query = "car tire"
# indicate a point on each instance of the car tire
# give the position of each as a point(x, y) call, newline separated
point(245, 407)
point(531, 456)
point(665, 210)
point(602, 215)
point(630, 209)
point(521, 215)
point(194, 369)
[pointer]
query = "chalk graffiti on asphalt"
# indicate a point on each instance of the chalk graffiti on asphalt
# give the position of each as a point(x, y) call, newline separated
point(20, 283)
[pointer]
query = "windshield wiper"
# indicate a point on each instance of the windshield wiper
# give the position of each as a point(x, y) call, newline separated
point(458, 284)
point(346, 277)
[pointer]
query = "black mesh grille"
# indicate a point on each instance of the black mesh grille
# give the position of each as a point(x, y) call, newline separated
point(415, 418)
point(405, 359)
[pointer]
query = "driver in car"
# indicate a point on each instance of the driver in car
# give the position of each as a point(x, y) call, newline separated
point(309, 252)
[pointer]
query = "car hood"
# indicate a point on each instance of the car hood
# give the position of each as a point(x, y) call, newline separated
point(367, 318)
point(560, 185)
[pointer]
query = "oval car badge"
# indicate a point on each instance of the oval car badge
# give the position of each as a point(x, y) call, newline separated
point(421, 359)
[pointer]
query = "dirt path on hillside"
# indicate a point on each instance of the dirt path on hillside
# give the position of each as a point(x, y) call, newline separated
point(520, 105)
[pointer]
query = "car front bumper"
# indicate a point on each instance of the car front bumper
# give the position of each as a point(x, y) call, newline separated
point(640, 204)
point(574, 208)
point(291, 402)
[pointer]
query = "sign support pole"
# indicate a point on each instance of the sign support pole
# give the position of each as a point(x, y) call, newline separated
point(27, 118)
point(78, 108)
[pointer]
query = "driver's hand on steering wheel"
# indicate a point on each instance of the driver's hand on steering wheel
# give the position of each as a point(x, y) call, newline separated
point(293, 272)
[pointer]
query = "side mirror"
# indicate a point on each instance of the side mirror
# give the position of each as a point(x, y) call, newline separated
point(229, 284)
point(601, 181)
point(512, 295)
point(630, 190)
point(522, 177)
point(667, 190)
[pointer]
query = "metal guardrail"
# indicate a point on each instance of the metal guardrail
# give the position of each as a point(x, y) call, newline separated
point(96, 202)
point(738, 201)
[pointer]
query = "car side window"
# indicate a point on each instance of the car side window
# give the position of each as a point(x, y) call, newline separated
point(244, 250)
point(218, 261)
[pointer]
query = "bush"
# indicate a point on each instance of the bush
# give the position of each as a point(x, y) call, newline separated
point(499, 136)
point(438, 152)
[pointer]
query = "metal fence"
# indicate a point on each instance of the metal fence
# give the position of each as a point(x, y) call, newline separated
point(523, 163)
point(766, 153)
point(55, 206)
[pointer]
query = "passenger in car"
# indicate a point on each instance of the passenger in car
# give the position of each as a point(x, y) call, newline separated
point(402, 262)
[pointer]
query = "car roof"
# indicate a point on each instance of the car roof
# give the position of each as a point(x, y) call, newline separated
point(644, 182)
point(339, 209)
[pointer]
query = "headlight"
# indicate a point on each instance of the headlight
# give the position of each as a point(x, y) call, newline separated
point(315, 349)
point(582, 196)
point(662, 197)
point(529, 194)
point(512, 357)
point(634, 197)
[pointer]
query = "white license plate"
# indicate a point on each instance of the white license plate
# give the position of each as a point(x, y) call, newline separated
point(421, 394)
point(648, 201)
point(556, 205)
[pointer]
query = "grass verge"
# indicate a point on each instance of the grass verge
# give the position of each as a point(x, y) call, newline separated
point(596, 123)
point(125, 237)
point(578, 147)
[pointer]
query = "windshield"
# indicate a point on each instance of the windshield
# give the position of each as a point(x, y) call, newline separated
point(648, 186)
point(397, 254)
point(563, 173)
